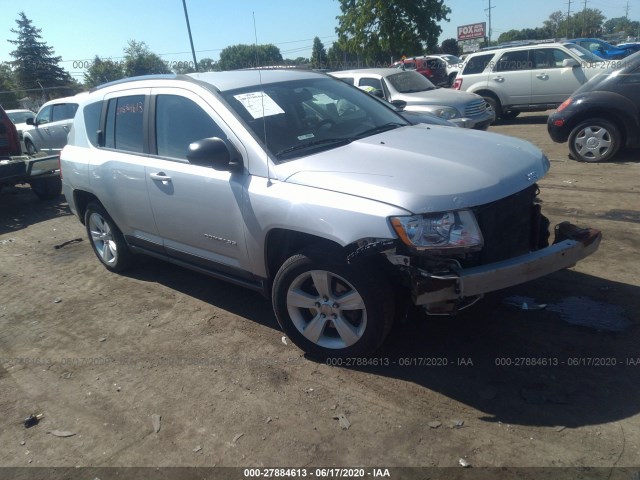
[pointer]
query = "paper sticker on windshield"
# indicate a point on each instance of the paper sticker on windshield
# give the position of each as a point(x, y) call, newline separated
point(259, 104)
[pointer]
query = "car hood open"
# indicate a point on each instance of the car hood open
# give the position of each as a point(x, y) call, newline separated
point(423, 168)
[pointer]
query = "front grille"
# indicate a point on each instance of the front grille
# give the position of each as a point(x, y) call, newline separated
point(475, 108)
point(507, 227)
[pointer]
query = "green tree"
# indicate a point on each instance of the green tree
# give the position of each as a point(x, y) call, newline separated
point(102, 71)
point(35, 66)
point(318, 54)
point(556, 24)
point(8, 90)
point(249, 56)
point(377, 29)
point(139, 60)
point(586, 23)
point(450, 46)
point(622, 26)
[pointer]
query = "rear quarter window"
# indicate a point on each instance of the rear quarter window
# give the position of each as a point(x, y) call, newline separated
point(477, 64)
point(91, 115)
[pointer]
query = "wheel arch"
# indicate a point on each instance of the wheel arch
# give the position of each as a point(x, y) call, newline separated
point(82, 199)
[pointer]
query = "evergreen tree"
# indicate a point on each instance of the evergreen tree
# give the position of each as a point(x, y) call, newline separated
point(318, 54)
point(36, 66)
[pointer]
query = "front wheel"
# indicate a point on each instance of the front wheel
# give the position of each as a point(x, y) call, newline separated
point(106, 239)
point(30, 147)
point(595, 140)
point(329, 308)
point(494, 103)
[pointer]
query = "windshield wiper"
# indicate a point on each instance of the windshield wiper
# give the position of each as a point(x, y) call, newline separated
point(379, 129)
point(324, 141)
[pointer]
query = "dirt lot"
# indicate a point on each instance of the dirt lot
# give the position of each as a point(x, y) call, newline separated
point(100, 353)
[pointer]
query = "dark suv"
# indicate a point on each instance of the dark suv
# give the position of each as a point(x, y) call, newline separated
point(9, 143)
point(602, 115)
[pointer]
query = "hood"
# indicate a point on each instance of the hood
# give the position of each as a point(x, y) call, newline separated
point(439, 96)
point(423, 168)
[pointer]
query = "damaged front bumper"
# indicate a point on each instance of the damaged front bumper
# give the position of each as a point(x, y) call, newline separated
point(571, 245)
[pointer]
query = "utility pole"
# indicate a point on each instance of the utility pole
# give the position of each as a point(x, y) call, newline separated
point(489, 29)
point(584, 19)
point(626, 11)
point(568, 19)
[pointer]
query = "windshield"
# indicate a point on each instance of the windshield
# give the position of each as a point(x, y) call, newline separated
point(584, 54)
point(20, 117)
point(302, 117)
point(410, 82)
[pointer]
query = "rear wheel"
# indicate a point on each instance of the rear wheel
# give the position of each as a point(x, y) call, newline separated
point(47, 188)
point(330, 308)
point(595, 140)
point(106, 239)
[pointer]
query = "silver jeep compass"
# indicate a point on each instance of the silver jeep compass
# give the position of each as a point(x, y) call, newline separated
point(311, 191)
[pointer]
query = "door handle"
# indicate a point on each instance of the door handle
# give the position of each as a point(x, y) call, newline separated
point(498, 79)
point(542, 76)
point(160, 177)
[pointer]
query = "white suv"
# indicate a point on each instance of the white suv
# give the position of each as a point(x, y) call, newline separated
point(533, 77)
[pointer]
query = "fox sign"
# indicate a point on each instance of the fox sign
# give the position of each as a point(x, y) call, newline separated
point(475, 30)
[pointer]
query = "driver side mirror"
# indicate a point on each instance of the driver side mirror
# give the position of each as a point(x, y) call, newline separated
point(399, 104)
point(570, 62)
point(216, 153)
point(30, 121)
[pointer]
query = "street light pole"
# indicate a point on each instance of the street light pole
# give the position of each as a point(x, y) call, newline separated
point(193, 50)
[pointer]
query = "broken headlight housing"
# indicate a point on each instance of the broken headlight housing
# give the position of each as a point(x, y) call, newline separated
point(452, 232)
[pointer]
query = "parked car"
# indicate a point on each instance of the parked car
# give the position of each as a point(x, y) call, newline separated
point(601, 48)
point(9, 142)
point(434, 68)
point(420, 95)
point(51, 126)
point(602, 115)
point(257, 178)
point(19, 119)
point(530, 77)
point(414, 118)
point(633, 47)
point(453, 65)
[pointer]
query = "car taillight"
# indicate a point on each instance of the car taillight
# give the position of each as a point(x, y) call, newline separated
point(565, 104)
point(59, 166)
point(457, 84)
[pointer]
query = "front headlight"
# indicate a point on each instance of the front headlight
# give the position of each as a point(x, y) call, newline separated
point(440, 231)
point(446, 112)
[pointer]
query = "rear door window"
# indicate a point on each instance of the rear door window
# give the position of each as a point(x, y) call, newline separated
point(514, 61)
point(477, 64)
point(63, 111)
point(124, 126)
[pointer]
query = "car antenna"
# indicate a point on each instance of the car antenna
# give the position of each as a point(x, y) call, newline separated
point(264, 122)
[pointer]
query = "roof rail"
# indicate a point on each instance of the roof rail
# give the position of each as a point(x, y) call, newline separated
point(158, 76)
point(520, 43)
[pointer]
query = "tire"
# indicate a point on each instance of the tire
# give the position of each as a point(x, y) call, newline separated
point(595, 140)
point(30, 147)
point(494, 103)
point(47, 188)
point(308, 297)
point(509, 114)
point(106, 239)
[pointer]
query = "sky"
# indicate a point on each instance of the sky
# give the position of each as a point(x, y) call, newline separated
point(80, 29)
